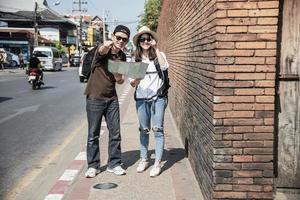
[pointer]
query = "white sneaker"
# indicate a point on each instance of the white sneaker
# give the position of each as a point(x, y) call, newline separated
point(118, 170)
point(143, 164)
point(91, 172)
point(155, 170)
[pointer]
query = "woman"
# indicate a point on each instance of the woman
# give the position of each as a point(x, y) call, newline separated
point(150, 107)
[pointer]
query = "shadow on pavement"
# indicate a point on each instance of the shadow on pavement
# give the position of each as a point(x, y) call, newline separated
point(171, 157)
point(5, 99)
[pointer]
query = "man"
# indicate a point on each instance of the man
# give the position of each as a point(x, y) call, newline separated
point(102, 100)
point(35, 63)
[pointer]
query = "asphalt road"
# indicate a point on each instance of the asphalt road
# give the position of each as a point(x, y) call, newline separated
point(33, 123)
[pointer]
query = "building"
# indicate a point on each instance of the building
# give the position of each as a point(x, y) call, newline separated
point(16, 16)
point(234, 70)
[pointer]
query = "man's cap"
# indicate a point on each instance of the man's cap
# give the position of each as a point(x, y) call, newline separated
point(123, 29)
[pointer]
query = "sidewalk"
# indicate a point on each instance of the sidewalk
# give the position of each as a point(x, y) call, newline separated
point(176, 181)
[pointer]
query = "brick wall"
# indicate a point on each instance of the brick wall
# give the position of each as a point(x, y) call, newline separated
point(222, 55)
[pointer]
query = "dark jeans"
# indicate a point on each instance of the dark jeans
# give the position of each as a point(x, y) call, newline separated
point(96, 109)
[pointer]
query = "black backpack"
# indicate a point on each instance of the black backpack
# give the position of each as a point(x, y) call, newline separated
point(163, 90)
point(88, 62)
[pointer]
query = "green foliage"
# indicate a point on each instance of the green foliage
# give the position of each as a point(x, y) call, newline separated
point(60, 47)
point(151, 14)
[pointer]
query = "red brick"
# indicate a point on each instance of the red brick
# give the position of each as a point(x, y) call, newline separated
point(267, 20)
point(222, 107)
point(225, 45)
point(248, 144)
point(249, 91)
point(230, 99)
point(236, 21)
point(237, 13)
point(250, 45)
point(265, 52)
point(221, 13)
point(258, 195)
point(237, 158)
point(265, 68)
point(224, 76)
point(268, 4)
point(239, 114)
point(236, 5)
point(262, 29)
point(245, 173)
point(264, 99)
point(236, 29)
point(232, 136)
point(243, 121)
point(242, 129)
point(223, 187)
point(263, 13)
point(234, 52)
point(265, 84)
point(250, 76)
point(243, 180)
point(266, 36)
point(243, 106)
point(271, 45)
point(263, 158)
point(221, 29)
point(234, 84)
point(258, 136)
point(235, 68)
point(264, 129)
point(230, 195)
point(271, 61)
point(244, 188)
point(261, 151)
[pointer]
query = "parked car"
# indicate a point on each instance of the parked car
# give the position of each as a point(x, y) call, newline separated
point(12, 60)
point(82, 78)
point(49, 57)
point(75, 61)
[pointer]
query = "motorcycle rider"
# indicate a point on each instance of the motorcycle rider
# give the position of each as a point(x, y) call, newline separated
point(35, 63)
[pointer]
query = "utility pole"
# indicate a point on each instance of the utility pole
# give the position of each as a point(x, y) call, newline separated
point(35, 25)
point(80, 10)
point(103, 20)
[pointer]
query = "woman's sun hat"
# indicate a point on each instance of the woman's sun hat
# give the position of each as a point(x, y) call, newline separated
point(142, 30)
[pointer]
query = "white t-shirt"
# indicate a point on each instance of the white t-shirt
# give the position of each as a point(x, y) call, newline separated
point(148, 86)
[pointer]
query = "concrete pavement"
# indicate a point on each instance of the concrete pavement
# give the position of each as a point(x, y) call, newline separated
point(176, 181)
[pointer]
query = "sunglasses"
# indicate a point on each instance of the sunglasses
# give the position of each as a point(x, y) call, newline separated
point(121, 38)
point(142, 39)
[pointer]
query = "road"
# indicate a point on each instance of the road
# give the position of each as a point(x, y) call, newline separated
point(40, 130)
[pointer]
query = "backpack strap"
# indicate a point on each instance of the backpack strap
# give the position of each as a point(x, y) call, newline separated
point(158, 69)
point(93, 61)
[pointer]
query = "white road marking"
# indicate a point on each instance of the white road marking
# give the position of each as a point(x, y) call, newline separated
point(54, 197)
point(81, 156)
point(69, 175)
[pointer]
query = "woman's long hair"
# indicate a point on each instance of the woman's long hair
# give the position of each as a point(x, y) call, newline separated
point(138, 54)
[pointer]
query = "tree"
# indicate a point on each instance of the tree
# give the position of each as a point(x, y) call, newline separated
point(151, 14)
point(60, 47)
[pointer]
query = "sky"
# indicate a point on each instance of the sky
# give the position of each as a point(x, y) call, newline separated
point(124, 12)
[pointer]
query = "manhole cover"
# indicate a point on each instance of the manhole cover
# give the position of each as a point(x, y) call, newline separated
point(105, 186)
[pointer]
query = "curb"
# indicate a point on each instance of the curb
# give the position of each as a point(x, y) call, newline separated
point(58, 191)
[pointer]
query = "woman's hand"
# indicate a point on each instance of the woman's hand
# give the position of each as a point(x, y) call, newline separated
point(153, 43)
point(119, 78)
point(135, 82)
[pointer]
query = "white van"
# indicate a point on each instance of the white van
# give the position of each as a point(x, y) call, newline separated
point(49, 56)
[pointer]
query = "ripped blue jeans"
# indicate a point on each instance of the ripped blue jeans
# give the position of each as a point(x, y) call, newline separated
point(151, 112)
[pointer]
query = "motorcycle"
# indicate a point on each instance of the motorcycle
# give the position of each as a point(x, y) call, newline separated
point(34, 79)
